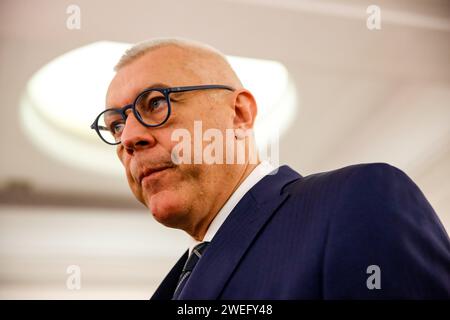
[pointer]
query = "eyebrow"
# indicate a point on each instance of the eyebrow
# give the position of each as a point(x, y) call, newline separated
point(156, 86)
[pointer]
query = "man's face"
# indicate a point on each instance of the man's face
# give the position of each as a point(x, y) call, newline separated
point(170, 191)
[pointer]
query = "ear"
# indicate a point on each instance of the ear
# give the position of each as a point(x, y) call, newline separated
point(245, 110)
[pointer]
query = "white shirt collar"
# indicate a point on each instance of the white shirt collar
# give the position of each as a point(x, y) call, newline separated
point(259, 172)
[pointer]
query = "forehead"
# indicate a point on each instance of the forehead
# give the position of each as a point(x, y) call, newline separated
point(171, 66)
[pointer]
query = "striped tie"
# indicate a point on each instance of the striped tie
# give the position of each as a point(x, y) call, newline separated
point(196, 254)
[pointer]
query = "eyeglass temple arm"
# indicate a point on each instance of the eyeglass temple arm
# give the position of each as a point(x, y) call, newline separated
point(205, 87)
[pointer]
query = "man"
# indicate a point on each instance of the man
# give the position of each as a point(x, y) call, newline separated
point(360, 232)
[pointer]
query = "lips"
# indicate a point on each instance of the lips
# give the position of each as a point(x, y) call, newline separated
point(150, 171)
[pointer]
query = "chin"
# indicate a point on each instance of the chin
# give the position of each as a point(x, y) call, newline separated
point(168, 208)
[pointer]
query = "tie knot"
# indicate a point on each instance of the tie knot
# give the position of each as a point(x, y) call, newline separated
point(195, 255)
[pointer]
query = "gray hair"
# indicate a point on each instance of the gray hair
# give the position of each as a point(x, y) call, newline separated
point(143, 47)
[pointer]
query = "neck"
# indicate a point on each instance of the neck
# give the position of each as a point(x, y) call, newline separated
point(222, 198)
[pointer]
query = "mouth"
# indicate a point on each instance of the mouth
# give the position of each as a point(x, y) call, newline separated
point(150, 173)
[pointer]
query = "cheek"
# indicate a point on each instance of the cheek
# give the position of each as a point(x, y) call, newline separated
point(120, 151)
point(166, 143)
point(218, 118)
point(125, 160)
point(135, 187)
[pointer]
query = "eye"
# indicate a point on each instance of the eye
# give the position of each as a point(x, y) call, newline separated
point(156, 104)
point(116, 127)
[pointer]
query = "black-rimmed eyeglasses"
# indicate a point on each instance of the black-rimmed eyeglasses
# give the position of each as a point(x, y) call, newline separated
point(151, 108)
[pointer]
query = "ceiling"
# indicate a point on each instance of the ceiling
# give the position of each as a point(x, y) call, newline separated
point(364, 96)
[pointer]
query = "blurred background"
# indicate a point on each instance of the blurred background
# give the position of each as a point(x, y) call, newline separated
point(359, 94)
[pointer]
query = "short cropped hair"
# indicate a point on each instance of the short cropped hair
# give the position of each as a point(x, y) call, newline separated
point(143, 47)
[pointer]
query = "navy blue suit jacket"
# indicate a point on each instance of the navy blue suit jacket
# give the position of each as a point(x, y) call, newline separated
point(314, 237)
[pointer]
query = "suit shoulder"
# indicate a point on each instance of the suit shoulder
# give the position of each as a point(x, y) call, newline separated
point(383, 198)
point(364, 175)
point(378, 172)
point(371, 191)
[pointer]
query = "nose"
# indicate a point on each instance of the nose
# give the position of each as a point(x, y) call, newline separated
point(135, 136)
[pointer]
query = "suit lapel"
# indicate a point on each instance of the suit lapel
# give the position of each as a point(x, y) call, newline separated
point(236, 235)
point(167, 287)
